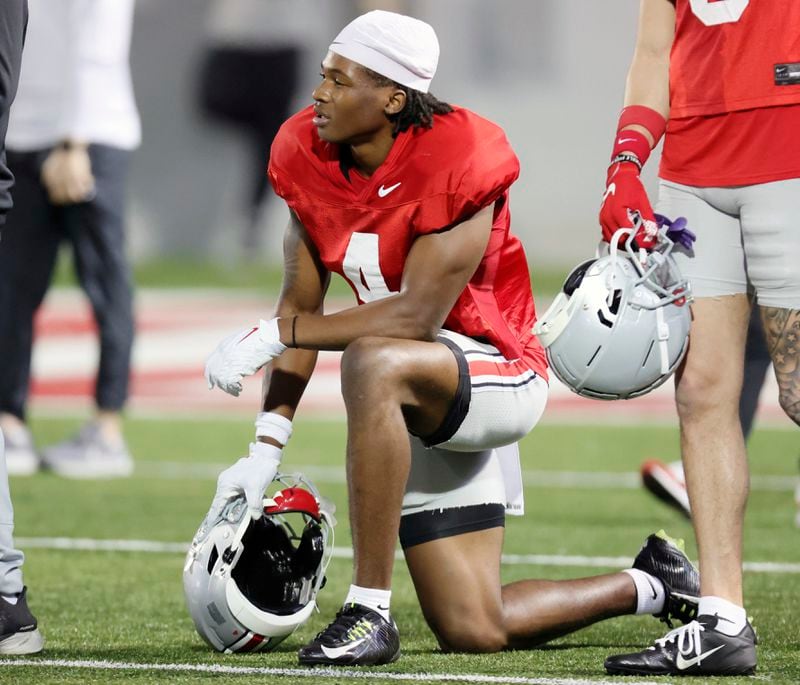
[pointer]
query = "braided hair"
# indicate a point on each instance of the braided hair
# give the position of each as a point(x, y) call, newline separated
point(420, 107)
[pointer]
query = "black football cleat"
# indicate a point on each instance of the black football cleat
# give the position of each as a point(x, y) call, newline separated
point(663, 557)
point(697, 648)
point(358, 636)
point(18, 629)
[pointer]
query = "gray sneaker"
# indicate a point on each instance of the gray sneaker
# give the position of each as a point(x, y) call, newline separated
point(88, 455)
point(21, 456)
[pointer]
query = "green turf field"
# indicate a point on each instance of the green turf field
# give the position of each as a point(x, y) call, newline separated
point(187, 272)
point(127, 606)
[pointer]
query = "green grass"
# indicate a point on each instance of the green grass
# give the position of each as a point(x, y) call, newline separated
point(189, 272)
point(128, 606)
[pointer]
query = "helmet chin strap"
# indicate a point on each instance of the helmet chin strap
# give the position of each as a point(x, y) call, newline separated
point(663, 337)
point(613, 246)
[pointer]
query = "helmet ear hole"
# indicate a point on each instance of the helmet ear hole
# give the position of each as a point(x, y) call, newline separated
point(212, 560)
point(616, 299)
point(613, 308)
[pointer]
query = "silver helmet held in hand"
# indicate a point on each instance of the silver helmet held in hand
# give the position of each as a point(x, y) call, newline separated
point(620, 325)
point(250, 583)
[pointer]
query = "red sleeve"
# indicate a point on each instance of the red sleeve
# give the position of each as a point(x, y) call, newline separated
point(482, 168)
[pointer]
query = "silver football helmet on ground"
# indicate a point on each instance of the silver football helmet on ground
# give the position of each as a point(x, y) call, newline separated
point(620, 325)
point(250, 583)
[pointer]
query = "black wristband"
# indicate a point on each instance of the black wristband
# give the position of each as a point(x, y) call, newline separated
point(627, 157)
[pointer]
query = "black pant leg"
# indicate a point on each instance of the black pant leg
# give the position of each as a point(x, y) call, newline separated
point(13, 19)
point(96, 230)
point(28, 251)
point(756, 363)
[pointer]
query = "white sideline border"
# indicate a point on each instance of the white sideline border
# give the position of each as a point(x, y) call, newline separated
point(157, 547)
point(334, 673)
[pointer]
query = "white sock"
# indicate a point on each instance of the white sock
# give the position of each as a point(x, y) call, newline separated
point(650, 593)
point(377, 600)
point(732, 617)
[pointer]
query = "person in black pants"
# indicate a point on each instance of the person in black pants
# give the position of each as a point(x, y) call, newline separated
point(19, 633)
point(70, 139)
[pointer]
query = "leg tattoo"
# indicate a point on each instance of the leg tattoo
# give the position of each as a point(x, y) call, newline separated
point(782, 328)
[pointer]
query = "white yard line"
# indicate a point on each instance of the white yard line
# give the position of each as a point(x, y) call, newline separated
point(600, 480)
point(370, 674)
point(155, 546)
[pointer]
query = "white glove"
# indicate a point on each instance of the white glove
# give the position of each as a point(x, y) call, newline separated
point(250, 476)
point(242, 354)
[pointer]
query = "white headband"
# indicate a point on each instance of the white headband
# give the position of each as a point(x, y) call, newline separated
point(398, 47)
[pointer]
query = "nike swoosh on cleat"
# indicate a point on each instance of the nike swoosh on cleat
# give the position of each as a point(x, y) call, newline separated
point(336, 652)
point(683, 664)
point(722, 618)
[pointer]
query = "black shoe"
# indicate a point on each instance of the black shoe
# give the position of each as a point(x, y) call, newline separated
point(358, 636)
point(663, 557)
point(694, 649)
point(18, 630)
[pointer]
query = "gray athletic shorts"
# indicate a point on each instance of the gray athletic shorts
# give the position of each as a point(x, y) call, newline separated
point(464, 477)
point(748, 239)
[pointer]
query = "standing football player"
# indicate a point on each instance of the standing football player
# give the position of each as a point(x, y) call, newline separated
point(19, 633)
point(407, 198)
point(723, 79)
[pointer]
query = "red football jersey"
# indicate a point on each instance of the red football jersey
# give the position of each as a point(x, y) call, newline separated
point(734, 93)
point(733, 149)
point(729, 55)
point(432, 179)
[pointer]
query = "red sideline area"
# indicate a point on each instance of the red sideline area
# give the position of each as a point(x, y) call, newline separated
point(177, 329)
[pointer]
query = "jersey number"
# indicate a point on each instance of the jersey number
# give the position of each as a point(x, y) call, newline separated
point(713, 12)
point(362, 267)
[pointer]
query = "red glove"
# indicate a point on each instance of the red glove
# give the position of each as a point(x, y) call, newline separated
point(625, 202)
point(625, 197)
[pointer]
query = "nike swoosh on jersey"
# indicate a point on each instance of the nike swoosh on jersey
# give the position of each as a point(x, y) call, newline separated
point(383, 192)
point(336, 652)
point(626, 140)
point(683, 664)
